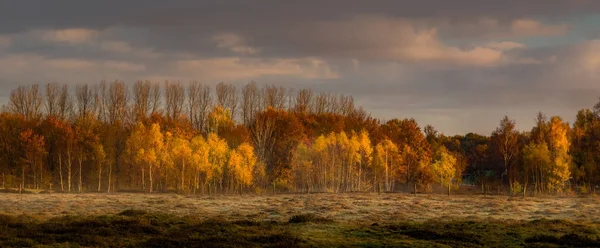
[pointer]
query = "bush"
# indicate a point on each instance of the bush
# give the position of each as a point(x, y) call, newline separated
point(516, 188)
point(303, 218)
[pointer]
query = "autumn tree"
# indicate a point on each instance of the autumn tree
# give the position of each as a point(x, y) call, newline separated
point(444, 167)
point(146, 146)
point(537, 158)
point(415, 152)
point(585, 140)
point(59, 140)
point(385, 160)
point(200, 160)
point(559, 151)
point(88, 147)
point(182, 153)
point(32, 159)
point(505, 139)
point(217, 157)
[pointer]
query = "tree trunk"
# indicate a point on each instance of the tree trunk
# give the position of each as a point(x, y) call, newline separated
point(150, 177)
point(196, 181)
point(34, 169)
point(69, 171)
point(22, 185)
point(375, 183)
point(109, 177)
point(387, 179)
point(99, 176)
point(182, 175)
point(415, 189)
point(80, 168)
point(143, 180)
point(62, 185)
point(41, 183)
point(449, 185)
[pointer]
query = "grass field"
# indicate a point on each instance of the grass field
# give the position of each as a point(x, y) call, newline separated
point(296, 220)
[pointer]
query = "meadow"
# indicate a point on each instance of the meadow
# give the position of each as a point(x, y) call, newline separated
point(296, 220)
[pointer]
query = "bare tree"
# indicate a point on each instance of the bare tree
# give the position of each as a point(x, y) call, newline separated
point(85, 100)
point(250, 103)
point(505, 138)
point(175, 98)
point(291, 98)
point(345, 105)
point(199, 101)
point(65, 103)
point(26, 101)
point(52, 98)
point(141, 99)
point(155, 96)
point(321, 104)
point(227, 97)
point(274, 97)
point(118, 98)
point(332, 104)
point(303, 100)
point(103, 102)
point(204, 107)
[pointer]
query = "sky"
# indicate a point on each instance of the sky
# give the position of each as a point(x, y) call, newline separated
point(458, 65)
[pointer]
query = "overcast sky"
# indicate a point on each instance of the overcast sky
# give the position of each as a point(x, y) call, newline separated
point(459, 65)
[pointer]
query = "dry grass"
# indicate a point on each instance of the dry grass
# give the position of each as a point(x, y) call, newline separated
point(345, 208)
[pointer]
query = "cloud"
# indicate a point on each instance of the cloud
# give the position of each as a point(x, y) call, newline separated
point(369, 38)
point(123, 66)
point(227, 14)
point(29, 68)
point(491, 28)
point(527, 27)
point(5, 41)
point(67, 64)
point(71, 35)
point(234, 43)
point(125, 48)
point(505, 45)
point(234, 68)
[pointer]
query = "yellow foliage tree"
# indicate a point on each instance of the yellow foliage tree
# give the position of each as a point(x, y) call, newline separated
point(217, 158)
point(537, 159)
point(559, 149)
point(146, 146)
point(248, 165)
point(366, 151)
point(182, 154)
point(444, 167)
point(386, 153)
point(200, 162)
point(303, 167)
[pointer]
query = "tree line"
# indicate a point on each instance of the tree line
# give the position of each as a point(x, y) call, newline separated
point(189, 138)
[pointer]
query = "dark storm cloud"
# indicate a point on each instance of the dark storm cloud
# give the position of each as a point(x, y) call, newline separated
point(21, 15)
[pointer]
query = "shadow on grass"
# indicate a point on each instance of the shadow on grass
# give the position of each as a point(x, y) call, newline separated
point(136, 228)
